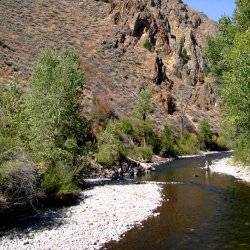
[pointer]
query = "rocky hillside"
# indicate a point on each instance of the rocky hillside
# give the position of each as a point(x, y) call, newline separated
point(124, 46)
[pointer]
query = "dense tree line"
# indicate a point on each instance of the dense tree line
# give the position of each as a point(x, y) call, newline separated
point(228, 57)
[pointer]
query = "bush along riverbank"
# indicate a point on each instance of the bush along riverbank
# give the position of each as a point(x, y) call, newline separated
point(47, 148)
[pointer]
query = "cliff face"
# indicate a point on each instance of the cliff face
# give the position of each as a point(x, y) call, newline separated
point(124, 46)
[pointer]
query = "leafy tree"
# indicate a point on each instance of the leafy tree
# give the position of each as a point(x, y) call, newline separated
point(143, 106)
point(187, 144)
point(142, 110)
point(205, 134)
point(54, 127)
point(167, 142)
point(111, 146)
point(243, 14)
point(228, 57)
point(10, 108)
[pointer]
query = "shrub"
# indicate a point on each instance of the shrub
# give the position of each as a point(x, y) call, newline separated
point(148, 45)
point(154, 141)
point(242, 150)
point(143, 106)
point(110, 142)
point(187, 144)
point(59, 181)
point(220, 142)
point(125, 126)
point(142, 132)
point(205, 134)
point(185, 56)
point(142, 153)
point(107, 154)
point(19, 181)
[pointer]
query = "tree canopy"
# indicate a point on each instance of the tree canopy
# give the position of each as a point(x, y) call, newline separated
point(228, 57)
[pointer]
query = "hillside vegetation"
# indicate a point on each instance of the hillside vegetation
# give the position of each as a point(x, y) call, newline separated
point(46, 144)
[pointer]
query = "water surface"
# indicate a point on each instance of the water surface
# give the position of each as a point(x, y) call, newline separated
point(202, 211)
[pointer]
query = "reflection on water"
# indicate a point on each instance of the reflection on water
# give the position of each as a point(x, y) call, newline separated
point(206, 211)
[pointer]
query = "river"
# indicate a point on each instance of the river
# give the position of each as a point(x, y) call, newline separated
point(200, 211)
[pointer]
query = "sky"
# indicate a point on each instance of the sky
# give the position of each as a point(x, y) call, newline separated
point(214, 9)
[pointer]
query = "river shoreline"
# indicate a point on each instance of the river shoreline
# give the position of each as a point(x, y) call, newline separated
point(105, 213)
point(228, 167)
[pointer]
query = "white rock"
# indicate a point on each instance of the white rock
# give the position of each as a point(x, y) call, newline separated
point(106, 214)
point(226, 166)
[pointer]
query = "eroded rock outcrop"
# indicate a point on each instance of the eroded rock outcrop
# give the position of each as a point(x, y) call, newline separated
point(123, 46)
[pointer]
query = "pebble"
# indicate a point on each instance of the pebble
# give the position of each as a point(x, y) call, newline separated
point(106, 214)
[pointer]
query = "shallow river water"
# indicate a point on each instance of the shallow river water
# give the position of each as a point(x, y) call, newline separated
point(200, 211)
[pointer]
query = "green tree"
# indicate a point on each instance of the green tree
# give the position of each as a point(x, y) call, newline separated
point(10, 108)
point(167, 142)
point(142, 110)
point(54, 127)
point(206, 134)
point(243, 14)
point(228, 57)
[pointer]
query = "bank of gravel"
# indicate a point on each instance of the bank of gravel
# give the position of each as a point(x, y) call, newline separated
point(105, 214)
point(227, 166)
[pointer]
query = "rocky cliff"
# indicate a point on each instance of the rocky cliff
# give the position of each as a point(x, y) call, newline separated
point(124, 46)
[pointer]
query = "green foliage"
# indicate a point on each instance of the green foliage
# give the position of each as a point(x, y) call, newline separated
point(218, 47)
point(10, 108)
point(110, 142)
point(143, 106)
point(185, 56)
point(242, 150)
point(167, 142)
point(205, 134)
point(205, 130)
point(142, 131)
point(187, 144)
point(58, 181)
point(107, 154)
point(219, 143)
point(243, 14)
point(46, 126)
point(228, 57)
point(148, 45)
point(142, 109)
point(52, 108)
point(142, 153)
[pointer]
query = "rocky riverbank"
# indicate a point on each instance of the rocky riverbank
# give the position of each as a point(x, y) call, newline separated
point(104, 214)
point(227, 166)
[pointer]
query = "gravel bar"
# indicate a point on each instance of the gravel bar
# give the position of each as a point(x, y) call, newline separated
point(105, 214)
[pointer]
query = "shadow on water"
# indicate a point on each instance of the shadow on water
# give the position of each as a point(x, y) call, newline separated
point(205, 211)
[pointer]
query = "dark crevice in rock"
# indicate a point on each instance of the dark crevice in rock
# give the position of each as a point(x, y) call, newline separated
point(160, 71)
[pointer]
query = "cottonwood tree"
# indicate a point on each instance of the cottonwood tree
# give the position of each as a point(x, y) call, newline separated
point(55, 128)
point(142, 110)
